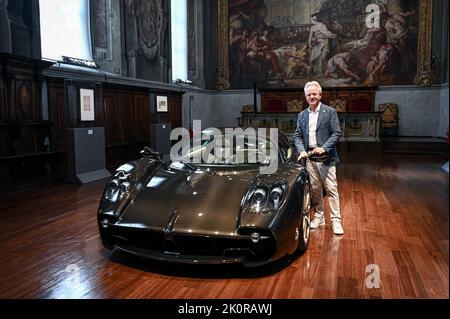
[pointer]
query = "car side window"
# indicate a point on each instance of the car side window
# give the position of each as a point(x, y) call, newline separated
point(283, 152)
point(284, 147)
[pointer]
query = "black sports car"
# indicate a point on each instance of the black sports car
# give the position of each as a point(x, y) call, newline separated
point(214, 212)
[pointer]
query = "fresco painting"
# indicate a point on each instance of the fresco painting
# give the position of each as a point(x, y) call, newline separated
point(338, 42)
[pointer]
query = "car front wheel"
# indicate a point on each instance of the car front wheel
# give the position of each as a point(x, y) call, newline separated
point(305, 220)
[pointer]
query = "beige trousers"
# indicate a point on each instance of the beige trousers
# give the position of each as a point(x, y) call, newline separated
point(321, 176)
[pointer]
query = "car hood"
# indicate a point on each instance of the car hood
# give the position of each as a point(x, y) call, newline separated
point(205, 201)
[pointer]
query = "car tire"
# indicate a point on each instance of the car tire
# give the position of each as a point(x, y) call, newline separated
point(305, 219)
point(107, 245)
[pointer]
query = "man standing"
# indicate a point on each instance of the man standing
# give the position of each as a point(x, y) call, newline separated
point(318, 131)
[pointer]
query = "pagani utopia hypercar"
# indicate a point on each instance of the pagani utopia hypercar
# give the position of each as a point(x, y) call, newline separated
point(214, 212)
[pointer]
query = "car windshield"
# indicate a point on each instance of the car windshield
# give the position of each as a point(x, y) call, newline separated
point(231, 150)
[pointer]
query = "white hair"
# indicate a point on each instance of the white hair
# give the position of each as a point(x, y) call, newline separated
point(313, 83)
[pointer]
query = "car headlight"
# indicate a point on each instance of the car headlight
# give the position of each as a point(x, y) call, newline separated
point(266, 199)
point(258, 199)
point(276, 194)
point(124, 190)
point(118, 187)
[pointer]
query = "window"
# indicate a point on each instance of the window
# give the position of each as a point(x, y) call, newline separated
point(65, 29)
point(179, 39)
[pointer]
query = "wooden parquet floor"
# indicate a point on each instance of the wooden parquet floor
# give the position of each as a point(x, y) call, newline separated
point(395, 215)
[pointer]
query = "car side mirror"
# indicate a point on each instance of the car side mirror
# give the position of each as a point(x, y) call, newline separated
point(150, 153)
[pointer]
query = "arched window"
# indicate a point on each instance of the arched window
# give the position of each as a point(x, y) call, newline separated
point(179, 27)
point(65, 29)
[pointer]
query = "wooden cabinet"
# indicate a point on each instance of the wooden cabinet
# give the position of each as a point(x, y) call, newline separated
point(355, 107)
point(25, 138)
point(27, 151)
point(355, 126)
point(358, 99)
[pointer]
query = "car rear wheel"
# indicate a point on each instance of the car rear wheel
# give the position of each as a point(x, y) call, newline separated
point(303, 229)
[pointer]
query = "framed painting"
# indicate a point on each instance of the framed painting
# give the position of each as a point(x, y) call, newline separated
point(87, 112)
point(161, 104)
point(338, 42)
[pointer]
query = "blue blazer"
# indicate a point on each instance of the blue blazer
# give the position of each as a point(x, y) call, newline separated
point(327, 133)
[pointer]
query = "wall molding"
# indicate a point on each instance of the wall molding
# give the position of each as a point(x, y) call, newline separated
point(78, 73)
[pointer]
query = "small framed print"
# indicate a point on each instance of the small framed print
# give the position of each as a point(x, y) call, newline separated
point(161, 104)
point(87, 105)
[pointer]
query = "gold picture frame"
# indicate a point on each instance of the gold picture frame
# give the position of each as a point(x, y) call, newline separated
point(423, 76)
point(222, 79)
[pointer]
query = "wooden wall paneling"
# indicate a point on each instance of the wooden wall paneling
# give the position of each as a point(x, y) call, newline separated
point(277, 101)
point(99, 108)
point(142, 117)
point(4, 131)
point(5, 171)
point(26, 101)
point(25, 153)
point(127, 117)
point(113, 157)
point(112, 126)
point(108, 111)
point(23, 76)
point(365, 98)
point(175, 104)
point(358, 99)
point(4, 139)
point(117, 104)
point(2, 99)
point(36, 94)
point(12, 112)
point(58, 114)
point(125, 113)
point(61, 121)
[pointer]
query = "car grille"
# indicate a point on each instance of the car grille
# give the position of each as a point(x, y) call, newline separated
point(202, 245)
point(140, 237)
point(197, 245)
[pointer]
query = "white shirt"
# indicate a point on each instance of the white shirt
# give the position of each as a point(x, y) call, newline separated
point(313, 117)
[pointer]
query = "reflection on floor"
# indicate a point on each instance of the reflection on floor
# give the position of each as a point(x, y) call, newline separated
point(395, 214)
point(415, 145)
